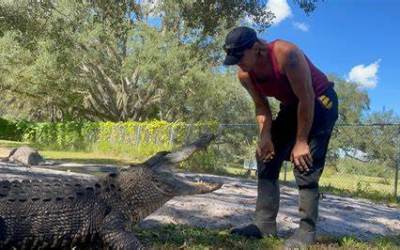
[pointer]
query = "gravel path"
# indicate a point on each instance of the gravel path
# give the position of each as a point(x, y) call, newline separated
point(234, 204)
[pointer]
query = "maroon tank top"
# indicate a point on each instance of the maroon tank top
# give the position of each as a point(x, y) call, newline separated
point(278, 85)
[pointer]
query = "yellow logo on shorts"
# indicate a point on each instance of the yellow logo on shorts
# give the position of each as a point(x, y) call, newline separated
point(325, 101)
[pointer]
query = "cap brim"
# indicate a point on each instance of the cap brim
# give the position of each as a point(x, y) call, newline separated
point(231, 60)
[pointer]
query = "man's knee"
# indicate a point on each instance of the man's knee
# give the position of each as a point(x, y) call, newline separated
point(308, 179)
point(268, 170)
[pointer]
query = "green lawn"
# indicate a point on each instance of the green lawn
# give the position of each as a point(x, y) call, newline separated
point(184, 237)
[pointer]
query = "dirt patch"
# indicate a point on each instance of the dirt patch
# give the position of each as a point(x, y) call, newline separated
point(234, 205)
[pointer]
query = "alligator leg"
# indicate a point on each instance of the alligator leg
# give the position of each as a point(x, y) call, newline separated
point(114, 233)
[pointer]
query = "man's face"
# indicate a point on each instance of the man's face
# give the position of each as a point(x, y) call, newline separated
point(248, 60)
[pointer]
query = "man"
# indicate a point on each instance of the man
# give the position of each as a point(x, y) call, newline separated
point(300, 133)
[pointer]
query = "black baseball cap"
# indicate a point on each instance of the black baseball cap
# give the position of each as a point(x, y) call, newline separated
point(236, 42)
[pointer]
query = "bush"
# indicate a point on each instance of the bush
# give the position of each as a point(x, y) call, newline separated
point(13, 130)
point(205, 162)
point(136, 139)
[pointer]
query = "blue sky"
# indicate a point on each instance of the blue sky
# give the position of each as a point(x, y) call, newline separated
point(357, 40)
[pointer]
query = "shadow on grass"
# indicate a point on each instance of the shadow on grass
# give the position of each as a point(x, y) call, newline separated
point(349, 242)
point(185, 237)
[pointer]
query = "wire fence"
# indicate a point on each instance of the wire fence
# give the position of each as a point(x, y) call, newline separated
point(364, 158)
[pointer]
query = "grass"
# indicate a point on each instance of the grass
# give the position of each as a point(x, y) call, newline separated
point(185, 237)
point(79, 157)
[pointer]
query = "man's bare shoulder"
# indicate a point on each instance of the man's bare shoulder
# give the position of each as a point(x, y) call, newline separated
point(282, 49)
point(283, 46)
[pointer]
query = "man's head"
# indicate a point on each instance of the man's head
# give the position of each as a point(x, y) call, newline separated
point(242, 47)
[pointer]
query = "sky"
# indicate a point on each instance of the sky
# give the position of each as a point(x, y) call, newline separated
point(358, 40)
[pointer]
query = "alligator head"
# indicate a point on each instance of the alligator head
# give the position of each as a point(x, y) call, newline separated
point(146, 187)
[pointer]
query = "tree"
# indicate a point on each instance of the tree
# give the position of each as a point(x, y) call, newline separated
point(353, 103)
point(101, 60)
point(384, 137)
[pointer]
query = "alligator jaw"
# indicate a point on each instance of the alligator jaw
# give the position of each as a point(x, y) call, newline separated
point(187, 185)
point(162, 165)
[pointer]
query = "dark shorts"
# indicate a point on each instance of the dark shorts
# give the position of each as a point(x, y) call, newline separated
point(283, 132)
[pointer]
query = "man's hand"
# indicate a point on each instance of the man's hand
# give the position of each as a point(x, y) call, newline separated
point(265, 149)
point(301, 156)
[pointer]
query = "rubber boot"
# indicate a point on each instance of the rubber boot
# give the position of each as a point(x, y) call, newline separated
point(308, 207)
point(267, 207)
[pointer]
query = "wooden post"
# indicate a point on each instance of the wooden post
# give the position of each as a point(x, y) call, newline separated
point(396, 177)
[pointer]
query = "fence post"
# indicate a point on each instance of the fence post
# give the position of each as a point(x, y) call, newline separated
point(188, 133)
point(396, 177)
point(285, 167)
point(138, 131)
point(171, 135)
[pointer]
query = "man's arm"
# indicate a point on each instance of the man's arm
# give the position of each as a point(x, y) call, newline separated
point(298, 72)
point(263, 117)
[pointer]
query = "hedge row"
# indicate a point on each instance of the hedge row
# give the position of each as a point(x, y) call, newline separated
point(133, 138)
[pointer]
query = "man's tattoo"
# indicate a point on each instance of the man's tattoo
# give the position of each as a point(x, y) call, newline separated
point(293, 59)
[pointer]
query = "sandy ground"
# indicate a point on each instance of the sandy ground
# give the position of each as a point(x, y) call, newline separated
point(234, 205)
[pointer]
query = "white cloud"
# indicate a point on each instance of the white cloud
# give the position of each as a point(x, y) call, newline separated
point(280, 8)
point(150, 7)
point(301, 26)
point(365, 76)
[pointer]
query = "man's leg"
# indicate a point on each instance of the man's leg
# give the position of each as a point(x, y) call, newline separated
point(267, 205)
point(309, 193)
point(325, 117)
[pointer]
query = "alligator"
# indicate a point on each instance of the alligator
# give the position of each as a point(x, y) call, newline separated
point(52, 211)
